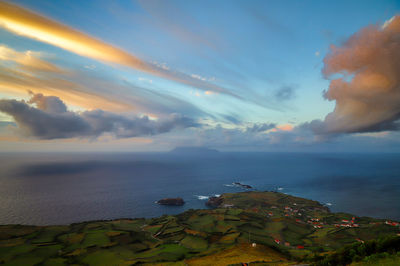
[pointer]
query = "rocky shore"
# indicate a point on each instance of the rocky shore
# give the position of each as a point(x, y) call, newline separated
point(214, 201)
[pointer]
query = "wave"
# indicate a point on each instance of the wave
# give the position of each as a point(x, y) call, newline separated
point(200, 197)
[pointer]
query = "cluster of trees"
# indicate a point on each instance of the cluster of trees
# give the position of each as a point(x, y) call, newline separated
point(359, 251)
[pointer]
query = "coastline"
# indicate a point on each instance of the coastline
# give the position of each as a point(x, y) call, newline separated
point(280, 226)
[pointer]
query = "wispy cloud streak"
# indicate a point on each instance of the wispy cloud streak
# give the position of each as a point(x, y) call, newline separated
point(29, 24)
point(22, 71)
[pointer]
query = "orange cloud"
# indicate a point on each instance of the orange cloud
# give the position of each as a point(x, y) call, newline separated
point(23, 71)
point(28, 60)
point(370, 101)
point(285, 127)
point(29, 24)
point(209, 92)
point(26, 23)
point(18, 83)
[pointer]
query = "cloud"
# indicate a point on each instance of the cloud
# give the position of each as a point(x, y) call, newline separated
point(300, 138)
point(260, 127)
point(50, 119)
point(26, 23)
point(27, 60)
point(367, 91)
point(257, 137)
point(231, 118)
point(285, 127)
point(75, 87)
point(387, 23)
point(285, 93)
point(49, 104)
point(4, 125)
point(164, 15)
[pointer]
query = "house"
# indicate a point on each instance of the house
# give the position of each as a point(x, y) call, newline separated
point(391, 223)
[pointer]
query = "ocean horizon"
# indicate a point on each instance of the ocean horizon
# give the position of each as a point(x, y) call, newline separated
point(64, 188)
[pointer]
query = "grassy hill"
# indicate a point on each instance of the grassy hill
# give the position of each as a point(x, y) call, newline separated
point(283, 228)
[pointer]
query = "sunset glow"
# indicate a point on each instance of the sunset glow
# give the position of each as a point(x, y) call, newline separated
point(232, 99)
point(212, 132)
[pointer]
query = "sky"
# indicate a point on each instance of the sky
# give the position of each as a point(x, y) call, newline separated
point(299, 76)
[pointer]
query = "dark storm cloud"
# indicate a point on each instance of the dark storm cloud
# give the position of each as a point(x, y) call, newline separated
point(50, 119)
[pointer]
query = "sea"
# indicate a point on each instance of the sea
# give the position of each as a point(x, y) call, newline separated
point(64, 188)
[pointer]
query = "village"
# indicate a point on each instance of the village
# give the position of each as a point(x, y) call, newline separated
point(316, 223)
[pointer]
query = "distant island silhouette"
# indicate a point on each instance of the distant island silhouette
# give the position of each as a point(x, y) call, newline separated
point(194, 151)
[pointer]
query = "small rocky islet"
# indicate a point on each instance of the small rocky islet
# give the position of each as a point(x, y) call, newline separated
point(212, 201)
point(171, 201)
point(242, 185)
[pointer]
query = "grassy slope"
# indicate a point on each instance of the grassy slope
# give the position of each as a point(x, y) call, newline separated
point(380, 259)
point(195, 237)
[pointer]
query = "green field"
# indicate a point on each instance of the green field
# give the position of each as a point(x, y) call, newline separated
point(285, 228)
